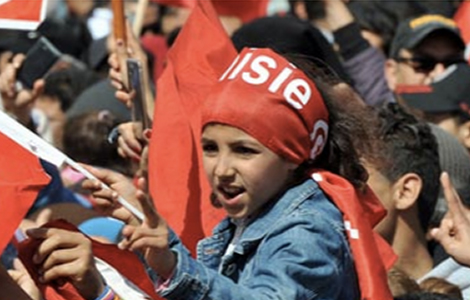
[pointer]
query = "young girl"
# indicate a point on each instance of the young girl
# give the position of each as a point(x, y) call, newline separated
point(267, 130)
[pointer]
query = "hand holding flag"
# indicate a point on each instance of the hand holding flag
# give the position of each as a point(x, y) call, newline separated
point(40, 148)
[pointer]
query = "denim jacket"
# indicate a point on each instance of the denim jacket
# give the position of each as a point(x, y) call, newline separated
point(295, 249)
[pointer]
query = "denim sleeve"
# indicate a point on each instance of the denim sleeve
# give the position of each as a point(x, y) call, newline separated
point(304, 257)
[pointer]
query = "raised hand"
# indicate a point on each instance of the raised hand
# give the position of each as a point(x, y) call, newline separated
point(106, 199)
point(151, 238)
point(454, 231)
point(18, 102)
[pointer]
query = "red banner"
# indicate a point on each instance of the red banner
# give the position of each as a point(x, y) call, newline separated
point(22, 14)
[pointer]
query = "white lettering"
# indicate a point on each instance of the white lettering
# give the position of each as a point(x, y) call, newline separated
point(274, 87)
point(241, 65)
point(318, 138)
point(260, 70)
point(230, 68)
point(293, 93)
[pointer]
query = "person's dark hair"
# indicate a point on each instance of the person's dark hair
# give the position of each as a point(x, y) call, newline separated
point(425, 296)
point(67, 84)
point(380, 17)
point(86, 140)
point(291, 36)
point(69, 35)
point(351, 126)
point(315, 9)
point(409, 147)
point(441, 286)
point(400, 283)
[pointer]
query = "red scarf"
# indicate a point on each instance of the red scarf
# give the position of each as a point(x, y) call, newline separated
point(361, 212)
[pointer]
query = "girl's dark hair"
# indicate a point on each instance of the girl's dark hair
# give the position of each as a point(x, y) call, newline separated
point(351, 125)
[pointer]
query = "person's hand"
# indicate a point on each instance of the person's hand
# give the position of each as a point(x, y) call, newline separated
point(106, 199)
point(454, 231)
point(151, 238)
point(21, 276)
point(66, 255)
point(119, 52)
point(129, 146)
point(18, 103)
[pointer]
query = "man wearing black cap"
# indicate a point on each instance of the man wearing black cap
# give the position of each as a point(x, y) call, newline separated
point(423, 47)
point(446, 102)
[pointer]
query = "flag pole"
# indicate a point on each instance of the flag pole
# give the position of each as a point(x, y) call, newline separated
point(119, 32)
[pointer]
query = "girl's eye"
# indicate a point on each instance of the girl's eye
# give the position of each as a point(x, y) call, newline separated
point(243, 150)
point(209, 148)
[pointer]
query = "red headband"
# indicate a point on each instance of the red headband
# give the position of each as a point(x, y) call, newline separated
point(266, 96)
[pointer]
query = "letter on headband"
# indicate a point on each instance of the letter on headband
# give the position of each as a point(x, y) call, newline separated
point(269, 98)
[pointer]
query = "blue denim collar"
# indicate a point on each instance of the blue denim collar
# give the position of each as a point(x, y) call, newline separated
point(274, 212)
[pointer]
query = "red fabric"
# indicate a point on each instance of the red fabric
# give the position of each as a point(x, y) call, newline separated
point(21, 179)
point(127, 263)
point(372, 255)
point(263, 83)
point(462, 18)
point(413, 89)
point(245, 10)
point(21, 10)
point(156, 44)
point(177, 182)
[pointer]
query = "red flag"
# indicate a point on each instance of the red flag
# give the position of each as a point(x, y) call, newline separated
point(372, 255)
point(245, 10)
point(178, 185)
point(21, 179)
point(462, 18)
point(20, 14)
point(125, 262)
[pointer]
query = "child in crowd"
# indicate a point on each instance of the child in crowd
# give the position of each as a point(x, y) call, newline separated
point(270, 134)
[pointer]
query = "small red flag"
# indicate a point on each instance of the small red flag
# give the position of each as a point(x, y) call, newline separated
point(20, 14)
point(178, 185)
point(21, 179)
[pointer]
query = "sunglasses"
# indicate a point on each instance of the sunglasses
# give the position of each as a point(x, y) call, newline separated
point(427, 64)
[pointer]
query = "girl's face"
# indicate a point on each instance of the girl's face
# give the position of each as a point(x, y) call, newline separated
point(243, 173)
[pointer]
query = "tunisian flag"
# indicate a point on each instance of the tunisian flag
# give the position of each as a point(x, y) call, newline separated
point(178, 185)
point(21, 179)
point(22, 14)
point(462, 18)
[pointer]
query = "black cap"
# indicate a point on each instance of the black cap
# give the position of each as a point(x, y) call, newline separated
point(449, 93)
point(412, 31)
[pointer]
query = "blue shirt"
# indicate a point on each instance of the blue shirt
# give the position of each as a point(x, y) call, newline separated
point(295, 249)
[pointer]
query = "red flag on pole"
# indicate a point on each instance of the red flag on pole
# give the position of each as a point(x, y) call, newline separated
point(177, 181)
point(21, 179)
point(462, 18)
point(21, 14)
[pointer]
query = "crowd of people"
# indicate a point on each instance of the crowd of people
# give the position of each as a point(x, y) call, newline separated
point(327, 144)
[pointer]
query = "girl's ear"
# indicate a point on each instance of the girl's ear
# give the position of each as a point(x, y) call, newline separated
point(407, 190)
